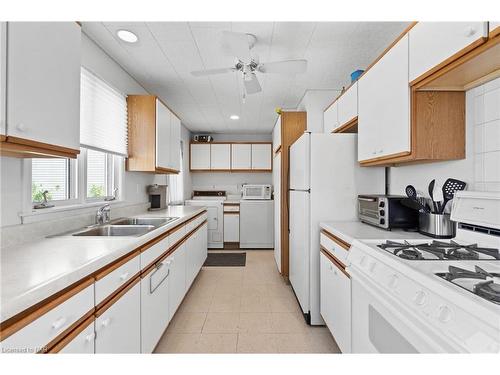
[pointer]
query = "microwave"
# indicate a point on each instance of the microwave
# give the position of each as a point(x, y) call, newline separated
point(256, 192)
point(386, 212)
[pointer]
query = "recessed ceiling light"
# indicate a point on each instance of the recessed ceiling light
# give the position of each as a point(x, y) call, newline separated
point(234, 117)
point(127, 36)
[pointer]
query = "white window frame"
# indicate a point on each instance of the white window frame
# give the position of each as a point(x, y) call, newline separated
point(111, 176)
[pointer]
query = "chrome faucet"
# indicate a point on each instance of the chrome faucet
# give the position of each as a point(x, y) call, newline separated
point(102, 215)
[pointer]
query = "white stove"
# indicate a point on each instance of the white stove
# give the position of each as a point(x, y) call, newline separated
point(213, 201)
point(431, 296)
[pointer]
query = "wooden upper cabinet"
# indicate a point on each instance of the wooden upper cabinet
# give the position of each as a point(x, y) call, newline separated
point(220, 156)
point(262, 156)
point(153, 136)
point(384, 107)
point(199, 157)
point(43, 88)
point(3, 51)
point(241, 156)
point(435, 44)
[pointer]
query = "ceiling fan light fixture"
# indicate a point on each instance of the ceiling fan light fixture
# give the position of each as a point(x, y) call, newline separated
point(234, 117)
point(127, 36)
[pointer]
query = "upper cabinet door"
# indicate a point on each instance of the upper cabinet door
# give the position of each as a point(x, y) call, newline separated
point(261, 156)
point(431, 43)
point(331, 120)
point(162, 135)
point(277, 134)
point(200, 156)
point(43, 82)
point(384, 106)
point(348, 105)
point(241, 156)
point(3, 56)
point(175, 142)
point(220, 156)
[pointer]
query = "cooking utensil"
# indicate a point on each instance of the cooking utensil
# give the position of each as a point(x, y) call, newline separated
point(450, 187)
point(413, 204)
point(431, 194)
point(411, 192)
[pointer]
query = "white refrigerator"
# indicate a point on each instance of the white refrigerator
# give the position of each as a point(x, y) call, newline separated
point(325, 180)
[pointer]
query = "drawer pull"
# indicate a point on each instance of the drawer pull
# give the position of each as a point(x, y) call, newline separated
point(90, 337)
point(124, 276)
point(151, 289)
point(59, 323)
point(106, 322)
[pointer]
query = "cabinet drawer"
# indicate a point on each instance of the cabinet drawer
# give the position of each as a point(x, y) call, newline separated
point(176, 236)
point(40, 332)
point(334, 248)
point(107, 284)
point(79, 341)
point(232, 208)
point(195, 222)
point(152, 253)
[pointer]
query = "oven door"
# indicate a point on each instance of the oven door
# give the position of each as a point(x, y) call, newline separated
point(381, 326)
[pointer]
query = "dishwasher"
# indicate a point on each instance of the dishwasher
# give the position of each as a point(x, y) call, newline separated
point(257, 224)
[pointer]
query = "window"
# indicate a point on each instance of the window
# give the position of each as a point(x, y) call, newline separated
point(52, 175)
point(176, 183)
point(99, 174)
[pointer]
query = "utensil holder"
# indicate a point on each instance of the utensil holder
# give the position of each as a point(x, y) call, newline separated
point(436, 225)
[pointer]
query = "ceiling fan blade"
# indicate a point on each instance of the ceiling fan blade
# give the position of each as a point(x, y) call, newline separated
point(238, 44)
point(208, 72)
point(252, 85)
point(284, 67)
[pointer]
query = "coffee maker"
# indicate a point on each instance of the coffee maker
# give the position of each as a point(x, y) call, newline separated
point(157, 197)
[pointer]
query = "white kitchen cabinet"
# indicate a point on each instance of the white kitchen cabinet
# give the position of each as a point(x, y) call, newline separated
point(277, 209)
point(175, 142)
point(154, 305)
point(261, 156)
point(200, 156)
point(162, 136)
point(231, 227)
point(118, 328)
point(3, 65)
point(177, 286)
point(114, 280)
point(256, 224)
point(83, 343)
point(335, 302)
point(384, 106)
point(43, 82)
point(220, 156)
point(277, 134)
point(241, 156)
point(330, 119)
point(431, 43)
point(347, 107)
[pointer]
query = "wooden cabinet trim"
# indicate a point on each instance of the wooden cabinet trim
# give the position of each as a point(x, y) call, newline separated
point(231, 204)
point(161, 170)
point(385, 159)
point(231, 212)
point(345, 245)
point(106, 304)
point(19, 147)
point(71, 335)
point(103, 272)
point(350, 126)
point(21, 320)
point(337, 263)
point(494, 33)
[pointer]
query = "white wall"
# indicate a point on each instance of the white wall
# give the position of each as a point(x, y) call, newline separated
point(314, 103)
point(188, 184)
point(231, 182)
point(481, 167)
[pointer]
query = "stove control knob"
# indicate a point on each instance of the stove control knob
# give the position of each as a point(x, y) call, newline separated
point(393, 281)
point(444, 314)
point(420, 298)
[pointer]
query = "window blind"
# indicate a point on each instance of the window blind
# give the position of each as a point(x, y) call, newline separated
point(103, 116)
point(51, 175)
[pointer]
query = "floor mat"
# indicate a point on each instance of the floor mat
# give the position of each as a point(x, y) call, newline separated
point(226, 260)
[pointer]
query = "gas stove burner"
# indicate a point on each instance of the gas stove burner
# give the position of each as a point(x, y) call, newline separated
point(439, 250)
point(488, 289)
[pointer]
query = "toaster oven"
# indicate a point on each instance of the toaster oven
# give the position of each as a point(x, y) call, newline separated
point(386, 211)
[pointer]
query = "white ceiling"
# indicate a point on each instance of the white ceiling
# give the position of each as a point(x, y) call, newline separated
point(168, 51)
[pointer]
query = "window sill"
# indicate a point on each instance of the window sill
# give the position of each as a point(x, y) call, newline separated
point(61, 211)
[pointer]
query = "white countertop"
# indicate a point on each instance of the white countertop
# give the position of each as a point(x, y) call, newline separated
point(349, 231)
point(34, 271)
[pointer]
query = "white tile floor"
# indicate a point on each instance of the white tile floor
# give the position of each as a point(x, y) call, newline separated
point(243, 310)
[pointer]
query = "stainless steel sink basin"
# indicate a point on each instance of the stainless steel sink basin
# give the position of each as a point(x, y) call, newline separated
point(154, 221)
point(116, 230)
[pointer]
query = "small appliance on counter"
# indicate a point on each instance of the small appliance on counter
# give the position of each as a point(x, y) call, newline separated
point(386, 211)
point(256, 192)
point(157, 197)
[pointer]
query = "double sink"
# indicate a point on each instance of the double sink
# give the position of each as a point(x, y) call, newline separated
point(126, 226)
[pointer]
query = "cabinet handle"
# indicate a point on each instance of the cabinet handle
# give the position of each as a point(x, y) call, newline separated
point(151, 289)
point(21, 127)
point(123, 276)
point(106, 322)
point(90, 337)
point(59, 323)
point(470, 31)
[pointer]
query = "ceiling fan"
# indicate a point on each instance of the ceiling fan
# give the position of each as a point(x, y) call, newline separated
point(248, 64)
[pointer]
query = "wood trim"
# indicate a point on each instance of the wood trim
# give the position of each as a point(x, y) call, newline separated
point(8, 148)
point(68, 333)
point(101, 309)
point(449, 60)
point(161, 170)
point(47, 146)
point(494, 33)
point(278, 150)
point(231, 213)
point(350, 126)
point(335, 261)
point(21, 320)
point(231, 204)
point(384, 159)
point(338, 241)
point(68, 338)
point(103, 272)
point(116, 291)
point(233, 142)
point(2, 138)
